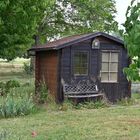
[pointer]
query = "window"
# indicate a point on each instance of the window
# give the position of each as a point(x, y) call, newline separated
point(80, 63)
point(109, 68)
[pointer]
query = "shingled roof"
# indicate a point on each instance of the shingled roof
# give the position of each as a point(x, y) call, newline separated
point(67, 41)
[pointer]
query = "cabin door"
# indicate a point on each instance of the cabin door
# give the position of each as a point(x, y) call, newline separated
point(109, 60)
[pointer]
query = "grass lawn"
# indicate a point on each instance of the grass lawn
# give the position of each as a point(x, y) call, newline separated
point(14, 70)
point(113, 123)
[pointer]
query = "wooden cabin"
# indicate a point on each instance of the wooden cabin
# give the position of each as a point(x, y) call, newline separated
point(83, 66)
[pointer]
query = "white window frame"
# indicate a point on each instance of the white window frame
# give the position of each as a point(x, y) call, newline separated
point(109, 63)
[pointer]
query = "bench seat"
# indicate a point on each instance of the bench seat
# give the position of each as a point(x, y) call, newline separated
point(84, 96)
point(81, 91)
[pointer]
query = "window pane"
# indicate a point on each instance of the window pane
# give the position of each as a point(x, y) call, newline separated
point(113, 67)
point(109, 69)
point(104, 77)
point(113, 77)
point(76, 56)
point(105, 67)
point(84, 56)
point(80, 61)
point(114, 57)
point(105, 57)
point(76, 63)
point(76, 70)
point(83, 65)
point(76, 60)
point(83, 71)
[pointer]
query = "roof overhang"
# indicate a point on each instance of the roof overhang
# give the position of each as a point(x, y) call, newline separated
point(89, 36)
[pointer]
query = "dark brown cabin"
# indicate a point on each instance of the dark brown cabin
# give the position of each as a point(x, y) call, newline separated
point(83, 66)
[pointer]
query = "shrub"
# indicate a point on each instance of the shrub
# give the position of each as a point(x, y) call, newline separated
point(5, 87)
point(16, 106)
point(2, 88)
point(69, 105)
point(42, 93)
point(93, 104)
point(28, 69)
point(23, 90)
point(12, 84)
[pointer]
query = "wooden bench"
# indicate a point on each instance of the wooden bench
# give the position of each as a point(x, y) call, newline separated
point(81, 90)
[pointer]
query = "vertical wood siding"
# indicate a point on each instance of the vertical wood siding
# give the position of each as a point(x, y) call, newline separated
point(46, 70)
point(113, 91)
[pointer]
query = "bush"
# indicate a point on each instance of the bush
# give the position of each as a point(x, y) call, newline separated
point(69, 105)
point(16, 106)
point(5, 87)
point(28, 69)
point(23, 90)
point(2, 88)
point(93, 104)
point(12, 84)
point(42, 94)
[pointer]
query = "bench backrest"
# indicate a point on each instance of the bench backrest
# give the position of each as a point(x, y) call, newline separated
point(79, 87)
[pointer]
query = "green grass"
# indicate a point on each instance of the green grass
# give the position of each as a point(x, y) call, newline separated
point(14, 71)
point(113, 123)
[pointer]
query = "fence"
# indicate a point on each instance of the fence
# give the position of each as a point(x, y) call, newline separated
point(135, 88)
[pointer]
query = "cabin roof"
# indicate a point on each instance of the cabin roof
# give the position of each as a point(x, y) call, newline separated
point(67, 41)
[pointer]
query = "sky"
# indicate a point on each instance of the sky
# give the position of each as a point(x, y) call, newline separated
point(121, 6)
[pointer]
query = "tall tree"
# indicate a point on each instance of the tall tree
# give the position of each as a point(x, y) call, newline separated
point(91, 15)
point(132, 39)
point(80, 16)
point(21, 20)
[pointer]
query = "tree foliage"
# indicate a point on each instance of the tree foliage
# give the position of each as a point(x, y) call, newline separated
point(91, 15)
point(21, 20)
point(80, 16)
point(132, 40)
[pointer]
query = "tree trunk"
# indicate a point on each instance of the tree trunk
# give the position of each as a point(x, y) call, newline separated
point(36, 43)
